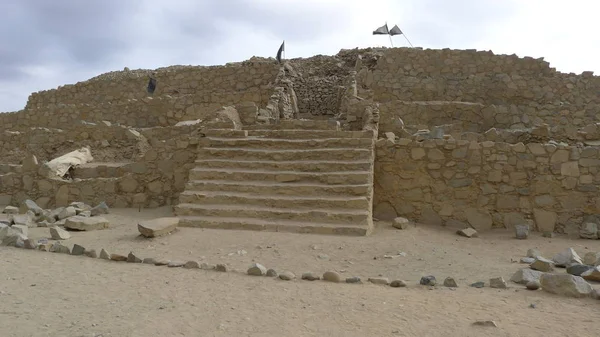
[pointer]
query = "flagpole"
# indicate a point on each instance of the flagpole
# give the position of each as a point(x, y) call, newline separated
point(391, 42)
point(407, 40)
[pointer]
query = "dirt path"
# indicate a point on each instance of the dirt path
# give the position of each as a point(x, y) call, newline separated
point(45, 294)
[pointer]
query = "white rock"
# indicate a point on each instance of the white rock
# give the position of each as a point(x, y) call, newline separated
point(565, 285)
point(67, 212)
point(525, 275)
point(57, 233)
point(566, 258)
point(86, 224)
point(11, 210)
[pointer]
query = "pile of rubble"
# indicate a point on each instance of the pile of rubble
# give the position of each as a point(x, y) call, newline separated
point(543, 272)
point(77, 216)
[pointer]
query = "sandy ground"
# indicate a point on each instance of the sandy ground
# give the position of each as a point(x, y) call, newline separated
point(46, 294)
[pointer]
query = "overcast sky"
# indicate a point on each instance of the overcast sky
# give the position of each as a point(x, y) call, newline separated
point(46, 43)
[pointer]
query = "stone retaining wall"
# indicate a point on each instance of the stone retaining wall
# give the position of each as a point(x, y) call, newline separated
point(127, 84)
point(487, 184)
point(154, 180)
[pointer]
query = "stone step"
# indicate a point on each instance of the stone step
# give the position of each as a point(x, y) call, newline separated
point(330, 216)
point(266, 187)
point(277, 201)
point(287, 134)
point(293, 165)
point(288, 144)
point(267, 154)
point(331, 178)
point(297, 124)
point(273, 225)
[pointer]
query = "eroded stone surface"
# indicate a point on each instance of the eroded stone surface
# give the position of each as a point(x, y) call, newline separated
point(158, 227)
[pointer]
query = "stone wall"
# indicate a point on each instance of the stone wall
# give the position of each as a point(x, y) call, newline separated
point(154, 180)
point(108, 143)
point(487, 184)
point(123, 85)
point(146, 112)
point(470, 76)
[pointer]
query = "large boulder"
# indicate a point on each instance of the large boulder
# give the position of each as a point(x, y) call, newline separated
point(566, 258)
point(158, 227)
point(86, 224)
point(565, 285)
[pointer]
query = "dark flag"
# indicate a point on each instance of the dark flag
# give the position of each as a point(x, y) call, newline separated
point(151, 85)
point(281, 50)
point(395, 31)
point(383, 30)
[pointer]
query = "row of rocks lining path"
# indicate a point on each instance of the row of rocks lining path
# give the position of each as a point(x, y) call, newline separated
point(257, 269)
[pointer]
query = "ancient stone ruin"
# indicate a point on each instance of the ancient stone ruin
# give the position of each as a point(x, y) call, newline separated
point(320, 145)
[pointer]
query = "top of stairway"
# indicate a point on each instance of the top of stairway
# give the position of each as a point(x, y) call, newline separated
point(297, 124)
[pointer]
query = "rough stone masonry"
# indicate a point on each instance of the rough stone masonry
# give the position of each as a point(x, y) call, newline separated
point(465, 136)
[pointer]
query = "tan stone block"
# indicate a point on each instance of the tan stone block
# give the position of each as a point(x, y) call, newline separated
point(545, 220)
point(417, 153)
point(560, 156)
point(570, 169)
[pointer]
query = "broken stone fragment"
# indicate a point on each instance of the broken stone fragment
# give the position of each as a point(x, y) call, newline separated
point(30, 205)
point(468, 232)
point(589, 230)
point(158, 227)
point(401, 223)
point(21, 229)
point(176, 264)
point(398, 284)
point(86, 224)
point(450, 282)
point(11, 210)
point(191, 265)
point(379, 280)
point(332, 276)
point(591, 258)
point(521, 232)
point(77, 250)
point(257, 269)
point(498, 283)
point(542, 264)
point(566, 258)
point(578, 269)
point(132, 258)
point(428, 280)
point(57, 233)
point(221, 268)
point(118, 257)
point(30, 244)
point(91, 253)
point(287, 276)
point(565, 285)
point(58, 247)
point(592, 274)
point(310, 276)
point(104, 254)
point(27, 219)
point(101, 208)
point(67, 213)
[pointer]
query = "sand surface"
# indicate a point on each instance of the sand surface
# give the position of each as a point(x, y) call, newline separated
point(47, 294)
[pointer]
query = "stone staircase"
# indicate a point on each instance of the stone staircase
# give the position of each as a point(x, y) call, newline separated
point(297, 176)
